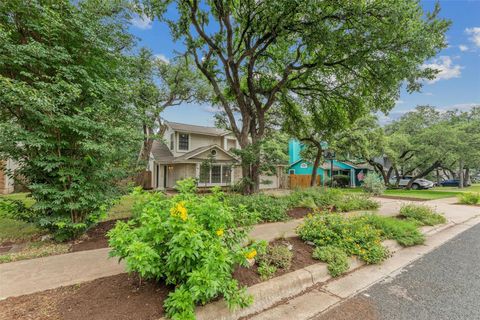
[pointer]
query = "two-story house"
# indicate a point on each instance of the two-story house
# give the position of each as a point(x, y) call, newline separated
point(183, 150)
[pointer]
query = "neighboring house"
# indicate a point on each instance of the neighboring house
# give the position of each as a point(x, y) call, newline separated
point(6, 182)
point(299, 166)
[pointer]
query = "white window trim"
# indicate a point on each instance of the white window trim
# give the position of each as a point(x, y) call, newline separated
point(221, 183)
point(177, 145)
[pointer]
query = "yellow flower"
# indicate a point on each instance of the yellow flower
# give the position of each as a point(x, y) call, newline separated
point(220, 232)
point(251, 254)
point(179, 210)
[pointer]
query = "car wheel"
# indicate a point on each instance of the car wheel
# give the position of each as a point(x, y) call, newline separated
point(415, 186)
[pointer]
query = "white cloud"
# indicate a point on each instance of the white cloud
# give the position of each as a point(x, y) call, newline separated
point(212, 109)
point(461, 106)
point(141, 21)
point(399, 101)
point(463, 48)
point(162, 58)
point(446, 69)
point(428, 94)
point(474, 35)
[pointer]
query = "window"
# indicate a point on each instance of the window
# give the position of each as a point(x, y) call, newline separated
point(172, 141)
point(226, 174)
point(204, 174)
point(183, 141)
point(215, 174)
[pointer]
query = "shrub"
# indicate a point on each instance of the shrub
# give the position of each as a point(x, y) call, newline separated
point(192, 242)
point(277, 255)
point(331, 199)
point(422, 215)
point(469, 198)
point(403, 231)
point(353, 235)
point(341, 181)
point(16, 209)
point(265, 208)
point(266, 271)
point(353, 202)
point(373, 184)
point(335, 257)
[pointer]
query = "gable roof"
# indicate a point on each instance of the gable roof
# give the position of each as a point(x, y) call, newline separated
point(162, 153)
point(190, 128)
point(200, 150)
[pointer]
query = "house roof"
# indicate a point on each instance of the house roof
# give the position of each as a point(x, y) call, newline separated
point(190, 128)
point(162, 153)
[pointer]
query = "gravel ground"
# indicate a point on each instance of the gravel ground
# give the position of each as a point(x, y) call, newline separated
point(444, 284)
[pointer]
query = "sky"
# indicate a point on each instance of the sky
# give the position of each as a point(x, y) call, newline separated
point(456, 86)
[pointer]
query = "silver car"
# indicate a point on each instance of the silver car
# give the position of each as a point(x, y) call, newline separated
point(417, 184)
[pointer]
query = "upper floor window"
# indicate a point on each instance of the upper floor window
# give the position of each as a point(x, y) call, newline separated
point(183, 141)
point(172, 141)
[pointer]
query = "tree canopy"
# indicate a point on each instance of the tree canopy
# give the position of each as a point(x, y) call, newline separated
point(63, 112)
point(352, 55)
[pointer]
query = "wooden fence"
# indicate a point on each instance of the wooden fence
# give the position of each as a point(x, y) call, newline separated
point(301, 180)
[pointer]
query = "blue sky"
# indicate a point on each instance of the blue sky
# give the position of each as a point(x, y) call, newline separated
point(456, 86)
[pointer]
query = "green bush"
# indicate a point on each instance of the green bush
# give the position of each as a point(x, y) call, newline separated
point(341, 181)
point(422, 215)
point(266, 271)
point(266, 208)
point(192, 242)
point(404, 232)
point(373, 184)
point(469, 198)
point(16, 209)
point(353, 235)
point(331, 199)
point(277, 255)
point(354, 202)
point(335, 257)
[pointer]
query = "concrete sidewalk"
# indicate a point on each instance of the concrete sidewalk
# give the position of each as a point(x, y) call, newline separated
point(28, 276)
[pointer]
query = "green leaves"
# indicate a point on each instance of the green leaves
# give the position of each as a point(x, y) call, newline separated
point(64, 117)
point(190, 241)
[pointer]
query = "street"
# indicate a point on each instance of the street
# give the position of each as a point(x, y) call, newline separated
point(444, 284)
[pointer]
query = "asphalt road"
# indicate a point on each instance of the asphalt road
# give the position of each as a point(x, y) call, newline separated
point(444, 284)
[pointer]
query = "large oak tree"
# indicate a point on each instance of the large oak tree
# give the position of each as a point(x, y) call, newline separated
point(356, 53)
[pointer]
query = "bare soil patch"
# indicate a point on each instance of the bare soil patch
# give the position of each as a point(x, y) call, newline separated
point(299, 212)
point(118, 297)
point(302, 257)
point(96, 237)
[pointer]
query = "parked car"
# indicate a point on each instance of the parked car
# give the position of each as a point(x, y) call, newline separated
point(453, 183)
point(417, 183)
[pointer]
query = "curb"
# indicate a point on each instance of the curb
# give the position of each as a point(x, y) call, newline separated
point(267, 294)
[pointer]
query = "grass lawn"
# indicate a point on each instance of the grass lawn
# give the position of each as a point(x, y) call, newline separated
point(15, 230)
point(473, 188)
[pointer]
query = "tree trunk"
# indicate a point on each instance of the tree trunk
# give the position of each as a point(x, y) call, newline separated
point(467, 176)
point(460, 173)
point(422, 174)
point(438, 177)
point(318, 156)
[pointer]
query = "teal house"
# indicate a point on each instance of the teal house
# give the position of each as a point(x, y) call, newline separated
point(298, 166)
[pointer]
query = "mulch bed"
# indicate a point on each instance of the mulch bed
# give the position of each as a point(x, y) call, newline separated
point(302, 257)
point(96, 237)
point(122, 297)
point(111, 298)
point(401, 198)
point(299, 212)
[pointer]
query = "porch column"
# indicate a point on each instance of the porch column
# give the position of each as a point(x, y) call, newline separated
point(197, 171)
point(352, 178)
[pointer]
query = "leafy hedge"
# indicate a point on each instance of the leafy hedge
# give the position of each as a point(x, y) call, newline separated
point(192, 242)
point(265, 208)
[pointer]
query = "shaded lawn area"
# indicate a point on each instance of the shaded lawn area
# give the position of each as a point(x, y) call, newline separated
point(15, 230)
point(473, 188)
point(417, 194)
